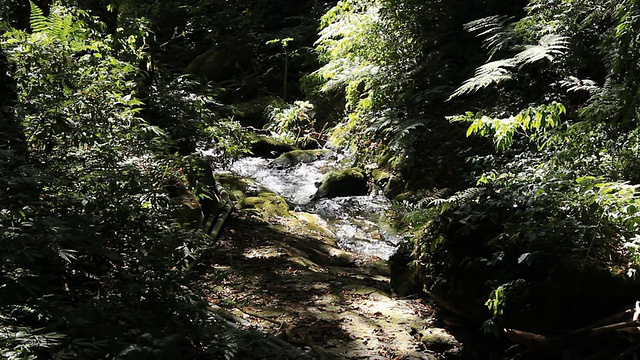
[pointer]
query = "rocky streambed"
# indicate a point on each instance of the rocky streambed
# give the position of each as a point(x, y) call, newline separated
point(291, 281)
point(313, 271)
point(339, 198)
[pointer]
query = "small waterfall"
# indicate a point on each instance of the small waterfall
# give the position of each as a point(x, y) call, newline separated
point(360, 223)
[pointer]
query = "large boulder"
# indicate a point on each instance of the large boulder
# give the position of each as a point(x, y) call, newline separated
point(296, 157)
point(267, 203)
point(253, 196)
point(347, 182)
point(267, 147)
point(407, 276)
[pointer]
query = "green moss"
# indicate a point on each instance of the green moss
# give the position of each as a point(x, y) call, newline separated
point(438, 340)
point(268, 203)
point(306, 224)
point(347, 182)
point(234, 184)
point(296, 157)
point(380, 177)
point(264, 146)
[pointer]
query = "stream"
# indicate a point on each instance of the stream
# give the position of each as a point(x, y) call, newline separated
point(359, 223)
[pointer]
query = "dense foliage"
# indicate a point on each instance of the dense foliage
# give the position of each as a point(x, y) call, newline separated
point(512, 127)
point(553, 208)
point(93, 244)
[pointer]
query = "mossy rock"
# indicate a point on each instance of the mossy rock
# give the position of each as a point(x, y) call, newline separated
point(439, 340)
point(235, 185)
point(347, 182)
point(306, 224)
point(308, 143)
point(268, 203)
point(264, 146)
point(380, 177)
point(389, 184)
point(543, 292)
point(407, 277)
point(296, 157)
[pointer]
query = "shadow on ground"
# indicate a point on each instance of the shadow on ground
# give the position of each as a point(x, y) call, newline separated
point(304, 290)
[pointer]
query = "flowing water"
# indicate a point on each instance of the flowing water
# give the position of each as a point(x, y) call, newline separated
point(360, 223)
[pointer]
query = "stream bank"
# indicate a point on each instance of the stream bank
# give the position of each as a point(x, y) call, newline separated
point(286, 272)
point(331, 303)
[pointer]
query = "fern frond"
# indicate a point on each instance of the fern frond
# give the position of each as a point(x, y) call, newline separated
point(37, 20)
point(548, 47)
point(438, 194)
point(482, 24)
point(605, 103)
point(405, 129)
point(496, 30)
point(494, 72)
point(490, 73)
point(61, 24)
point(456, 199)
point(573, 84)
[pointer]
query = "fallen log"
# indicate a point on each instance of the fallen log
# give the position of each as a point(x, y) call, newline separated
point(614, 337)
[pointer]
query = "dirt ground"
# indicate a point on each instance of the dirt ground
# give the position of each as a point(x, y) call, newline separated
point(286, 278)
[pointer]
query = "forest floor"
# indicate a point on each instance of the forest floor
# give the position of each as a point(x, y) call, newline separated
point(294, 283)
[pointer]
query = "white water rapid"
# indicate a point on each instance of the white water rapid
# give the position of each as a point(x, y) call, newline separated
point(360, 223)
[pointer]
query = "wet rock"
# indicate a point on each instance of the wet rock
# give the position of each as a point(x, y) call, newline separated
point(306, 224)
point(348, 182)
point(268, 203)
point(264, 146)
point(390, 185)
point(406, 276)
point(296, 157)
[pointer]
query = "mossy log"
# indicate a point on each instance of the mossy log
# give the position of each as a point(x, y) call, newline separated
point(616, 336)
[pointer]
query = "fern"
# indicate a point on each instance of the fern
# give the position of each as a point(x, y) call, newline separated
point(573, 84)
point(438, 194)
point(37, 20)
point(455, 199)
point(548, 47)
point(59, 24)
point(605, 102)
point(497, 31)
point(487, 74)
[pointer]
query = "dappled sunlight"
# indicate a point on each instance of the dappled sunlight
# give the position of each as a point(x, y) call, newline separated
point(295, 288)
point(263, 252)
